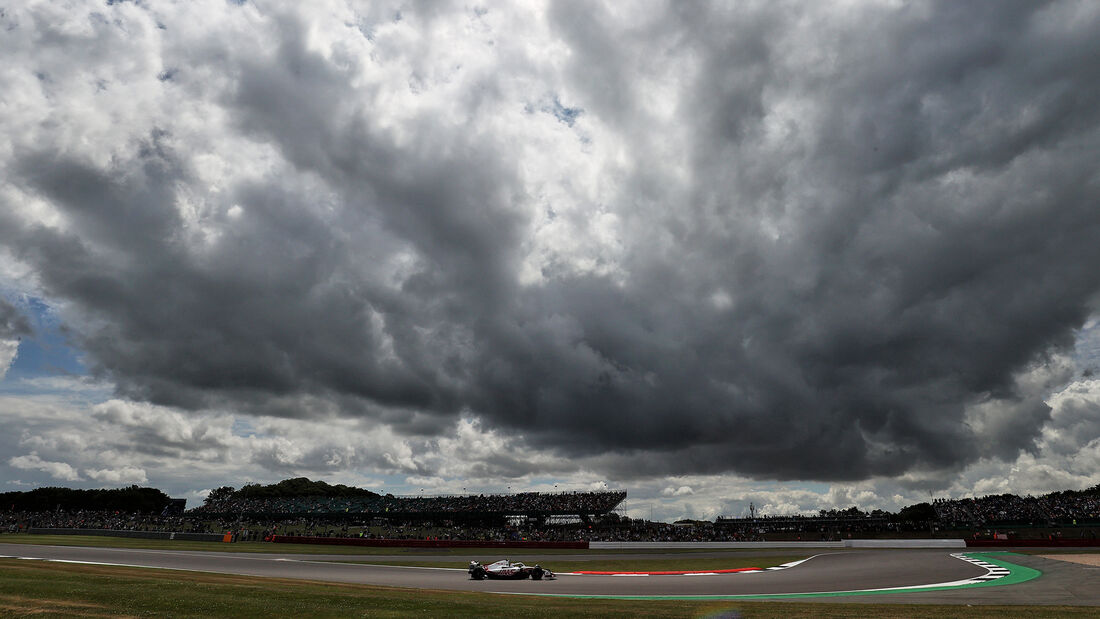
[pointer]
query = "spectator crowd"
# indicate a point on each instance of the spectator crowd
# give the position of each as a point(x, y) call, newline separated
point(1054, 508)
point(523, 503)
point(568, 516)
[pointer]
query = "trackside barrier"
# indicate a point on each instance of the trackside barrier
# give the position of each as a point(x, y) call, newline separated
point(192, 537)
point(904, 543)
point(1032, 543)
point(849, 543)
point(421, 543)
point(710, 545)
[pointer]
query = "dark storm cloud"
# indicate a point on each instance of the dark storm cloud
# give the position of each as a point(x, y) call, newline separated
point(12, 322)
point(829, 303)
point(895, 296)
point(262, 315)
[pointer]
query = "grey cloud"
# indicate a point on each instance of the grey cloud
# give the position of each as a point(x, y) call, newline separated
point(12, 322)
point(892, 299)
point(922, 231)
point(1077, 424)
point(598, 59)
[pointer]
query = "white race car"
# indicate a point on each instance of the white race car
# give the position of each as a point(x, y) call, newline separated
point(508, 570)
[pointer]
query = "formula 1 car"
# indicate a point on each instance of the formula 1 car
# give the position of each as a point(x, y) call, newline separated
point(507, 570)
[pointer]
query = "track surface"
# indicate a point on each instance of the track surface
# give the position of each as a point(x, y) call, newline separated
point(1061, 583)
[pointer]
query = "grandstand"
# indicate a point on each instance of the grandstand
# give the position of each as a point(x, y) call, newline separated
point(341, 505)
point(866, 522)
point(306, 508)
point(1049, 510)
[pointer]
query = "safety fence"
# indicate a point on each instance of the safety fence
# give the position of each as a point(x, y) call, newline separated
point(423, 543)
point(193, 537)
point(849, 543)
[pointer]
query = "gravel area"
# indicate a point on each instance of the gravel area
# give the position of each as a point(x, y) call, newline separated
point(1087, 559)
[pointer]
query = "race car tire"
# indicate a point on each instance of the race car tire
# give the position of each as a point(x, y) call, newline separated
point(478, 573)
point(536, 574)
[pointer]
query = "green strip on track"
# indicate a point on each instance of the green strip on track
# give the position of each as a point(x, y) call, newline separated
point(1017, 574)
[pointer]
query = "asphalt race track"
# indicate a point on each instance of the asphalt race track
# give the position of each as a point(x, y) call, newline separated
point(829, 573)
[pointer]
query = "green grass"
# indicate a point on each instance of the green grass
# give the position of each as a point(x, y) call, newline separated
point(266, 547)
point(679, 559)
point(262, 547)
point(68, 590)
point(98, 541)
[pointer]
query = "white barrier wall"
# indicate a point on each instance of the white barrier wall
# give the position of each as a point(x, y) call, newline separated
point(850, 543)
point(905, 543)
point(711, 545)
point(194, 537)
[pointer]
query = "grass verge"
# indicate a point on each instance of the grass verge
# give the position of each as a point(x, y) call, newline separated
point(98, 541)
point(67, 590)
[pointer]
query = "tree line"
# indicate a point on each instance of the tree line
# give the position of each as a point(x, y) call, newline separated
point(131, 499)
point(297, 487)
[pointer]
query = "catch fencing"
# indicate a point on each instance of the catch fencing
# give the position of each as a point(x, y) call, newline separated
point(193, 537)
point(423, 543)
point(848, 543)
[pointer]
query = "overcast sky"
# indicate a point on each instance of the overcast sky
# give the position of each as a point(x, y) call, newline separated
point(807, 255)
